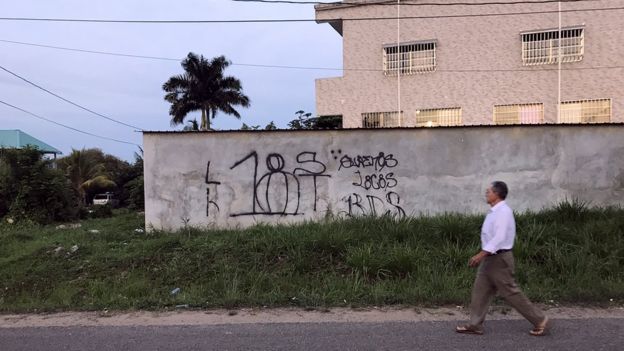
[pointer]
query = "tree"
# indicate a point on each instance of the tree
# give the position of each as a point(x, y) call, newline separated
point(301, 121)
point(203, 87)
point(86, 170)
point(134, 187)
point(305, 121)
point(246, 127)
point(31, 189)
point(270, 126)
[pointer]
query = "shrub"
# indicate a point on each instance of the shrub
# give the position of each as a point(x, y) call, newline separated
point(31, 189)
point(101, 211)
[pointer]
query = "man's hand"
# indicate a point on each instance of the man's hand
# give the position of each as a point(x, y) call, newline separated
point(476, 259)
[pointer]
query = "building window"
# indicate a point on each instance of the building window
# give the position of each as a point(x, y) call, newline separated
point(544, 47)
point(519, 114)
point(381, 119)
point(438, 117)
point(409, 58)
point(585, 111)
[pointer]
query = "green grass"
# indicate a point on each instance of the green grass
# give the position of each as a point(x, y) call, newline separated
point(570, 254)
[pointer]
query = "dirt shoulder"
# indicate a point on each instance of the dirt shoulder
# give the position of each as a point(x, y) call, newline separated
point(244, 316)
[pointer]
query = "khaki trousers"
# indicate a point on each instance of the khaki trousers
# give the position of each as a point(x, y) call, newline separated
point(496, 274)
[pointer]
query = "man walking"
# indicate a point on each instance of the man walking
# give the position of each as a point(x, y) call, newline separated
point(496, 267)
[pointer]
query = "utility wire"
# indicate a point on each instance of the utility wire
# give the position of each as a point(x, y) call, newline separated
point(168, 58)
point(90, 51)
point(298, 67)
point(294, 20)
point(66, 126)
point(68, 101)
point(163, 58)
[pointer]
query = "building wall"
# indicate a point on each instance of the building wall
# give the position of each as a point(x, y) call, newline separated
point(237, 179)
point(473, 43)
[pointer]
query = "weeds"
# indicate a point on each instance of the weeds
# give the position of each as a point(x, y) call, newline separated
point(570, 253)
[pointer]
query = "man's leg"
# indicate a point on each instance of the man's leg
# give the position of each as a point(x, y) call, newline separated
point(483, 291)
point(503, 278)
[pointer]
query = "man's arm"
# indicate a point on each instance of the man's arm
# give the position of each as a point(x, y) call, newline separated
point(476, 259)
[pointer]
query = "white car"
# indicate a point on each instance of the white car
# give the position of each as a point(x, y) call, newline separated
point(105, 199)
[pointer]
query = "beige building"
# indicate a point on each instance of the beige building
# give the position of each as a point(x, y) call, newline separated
point(443, 65)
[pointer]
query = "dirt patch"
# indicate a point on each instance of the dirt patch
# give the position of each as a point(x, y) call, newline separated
point(242, 316)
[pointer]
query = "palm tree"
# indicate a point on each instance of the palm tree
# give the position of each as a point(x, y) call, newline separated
point(86, 172)
point(203, 87)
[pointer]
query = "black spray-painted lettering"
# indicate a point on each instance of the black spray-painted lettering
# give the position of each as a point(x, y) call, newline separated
point(278, 192)
point(376, 181)
point(209, 200)
point(318, 170)
point(373, 205)
point(378, 162)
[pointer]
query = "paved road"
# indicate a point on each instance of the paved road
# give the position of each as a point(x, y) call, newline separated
point(569, 334)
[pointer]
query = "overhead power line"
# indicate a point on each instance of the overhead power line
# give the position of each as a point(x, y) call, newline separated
point(295, 20)
point(67, 100)
point(90, 51)
point(66, 126)
point(160, 58)
point(147, 57)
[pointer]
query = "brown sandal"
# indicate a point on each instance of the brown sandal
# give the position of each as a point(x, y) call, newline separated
point(468, 329)
point(541, 329)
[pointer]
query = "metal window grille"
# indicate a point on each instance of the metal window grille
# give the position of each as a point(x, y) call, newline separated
point(542, 48)
point(382, 119)
point(409, 58)
point(438, 117)
point(519, 114)
point(585, 111)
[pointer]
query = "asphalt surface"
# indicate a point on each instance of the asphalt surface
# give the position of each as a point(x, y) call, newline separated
point(567, 334)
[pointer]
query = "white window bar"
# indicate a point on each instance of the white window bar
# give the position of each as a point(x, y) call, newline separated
point(382, 119)
point(439, 117)
point(409, 58)
point(532, 113)
point(586, 111)
point(542, 48)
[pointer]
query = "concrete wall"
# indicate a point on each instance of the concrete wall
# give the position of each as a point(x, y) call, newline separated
point(490, 44)
point(237, 179)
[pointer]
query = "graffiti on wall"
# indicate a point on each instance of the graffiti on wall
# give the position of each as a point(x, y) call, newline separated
point(210, 201)
point(278, 190)
point(375, 179)
point(277, 182)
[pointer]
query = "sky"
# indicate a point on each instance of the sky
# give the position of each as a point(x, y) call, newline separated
point(130, 89)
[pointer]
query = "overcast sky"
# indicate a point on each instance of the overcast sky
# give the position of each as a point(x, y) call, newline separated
point(130, 89)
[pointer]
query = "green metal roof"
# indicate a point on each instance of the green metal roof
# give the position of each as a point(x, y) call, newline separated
point(17, 139)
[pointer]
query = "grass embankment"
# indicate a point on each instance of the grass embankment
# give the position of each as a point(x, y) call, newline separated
point(568, 254)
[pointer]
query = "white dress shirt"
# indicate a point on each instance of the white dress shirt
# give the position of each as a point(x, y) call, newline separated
point(499, 228)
